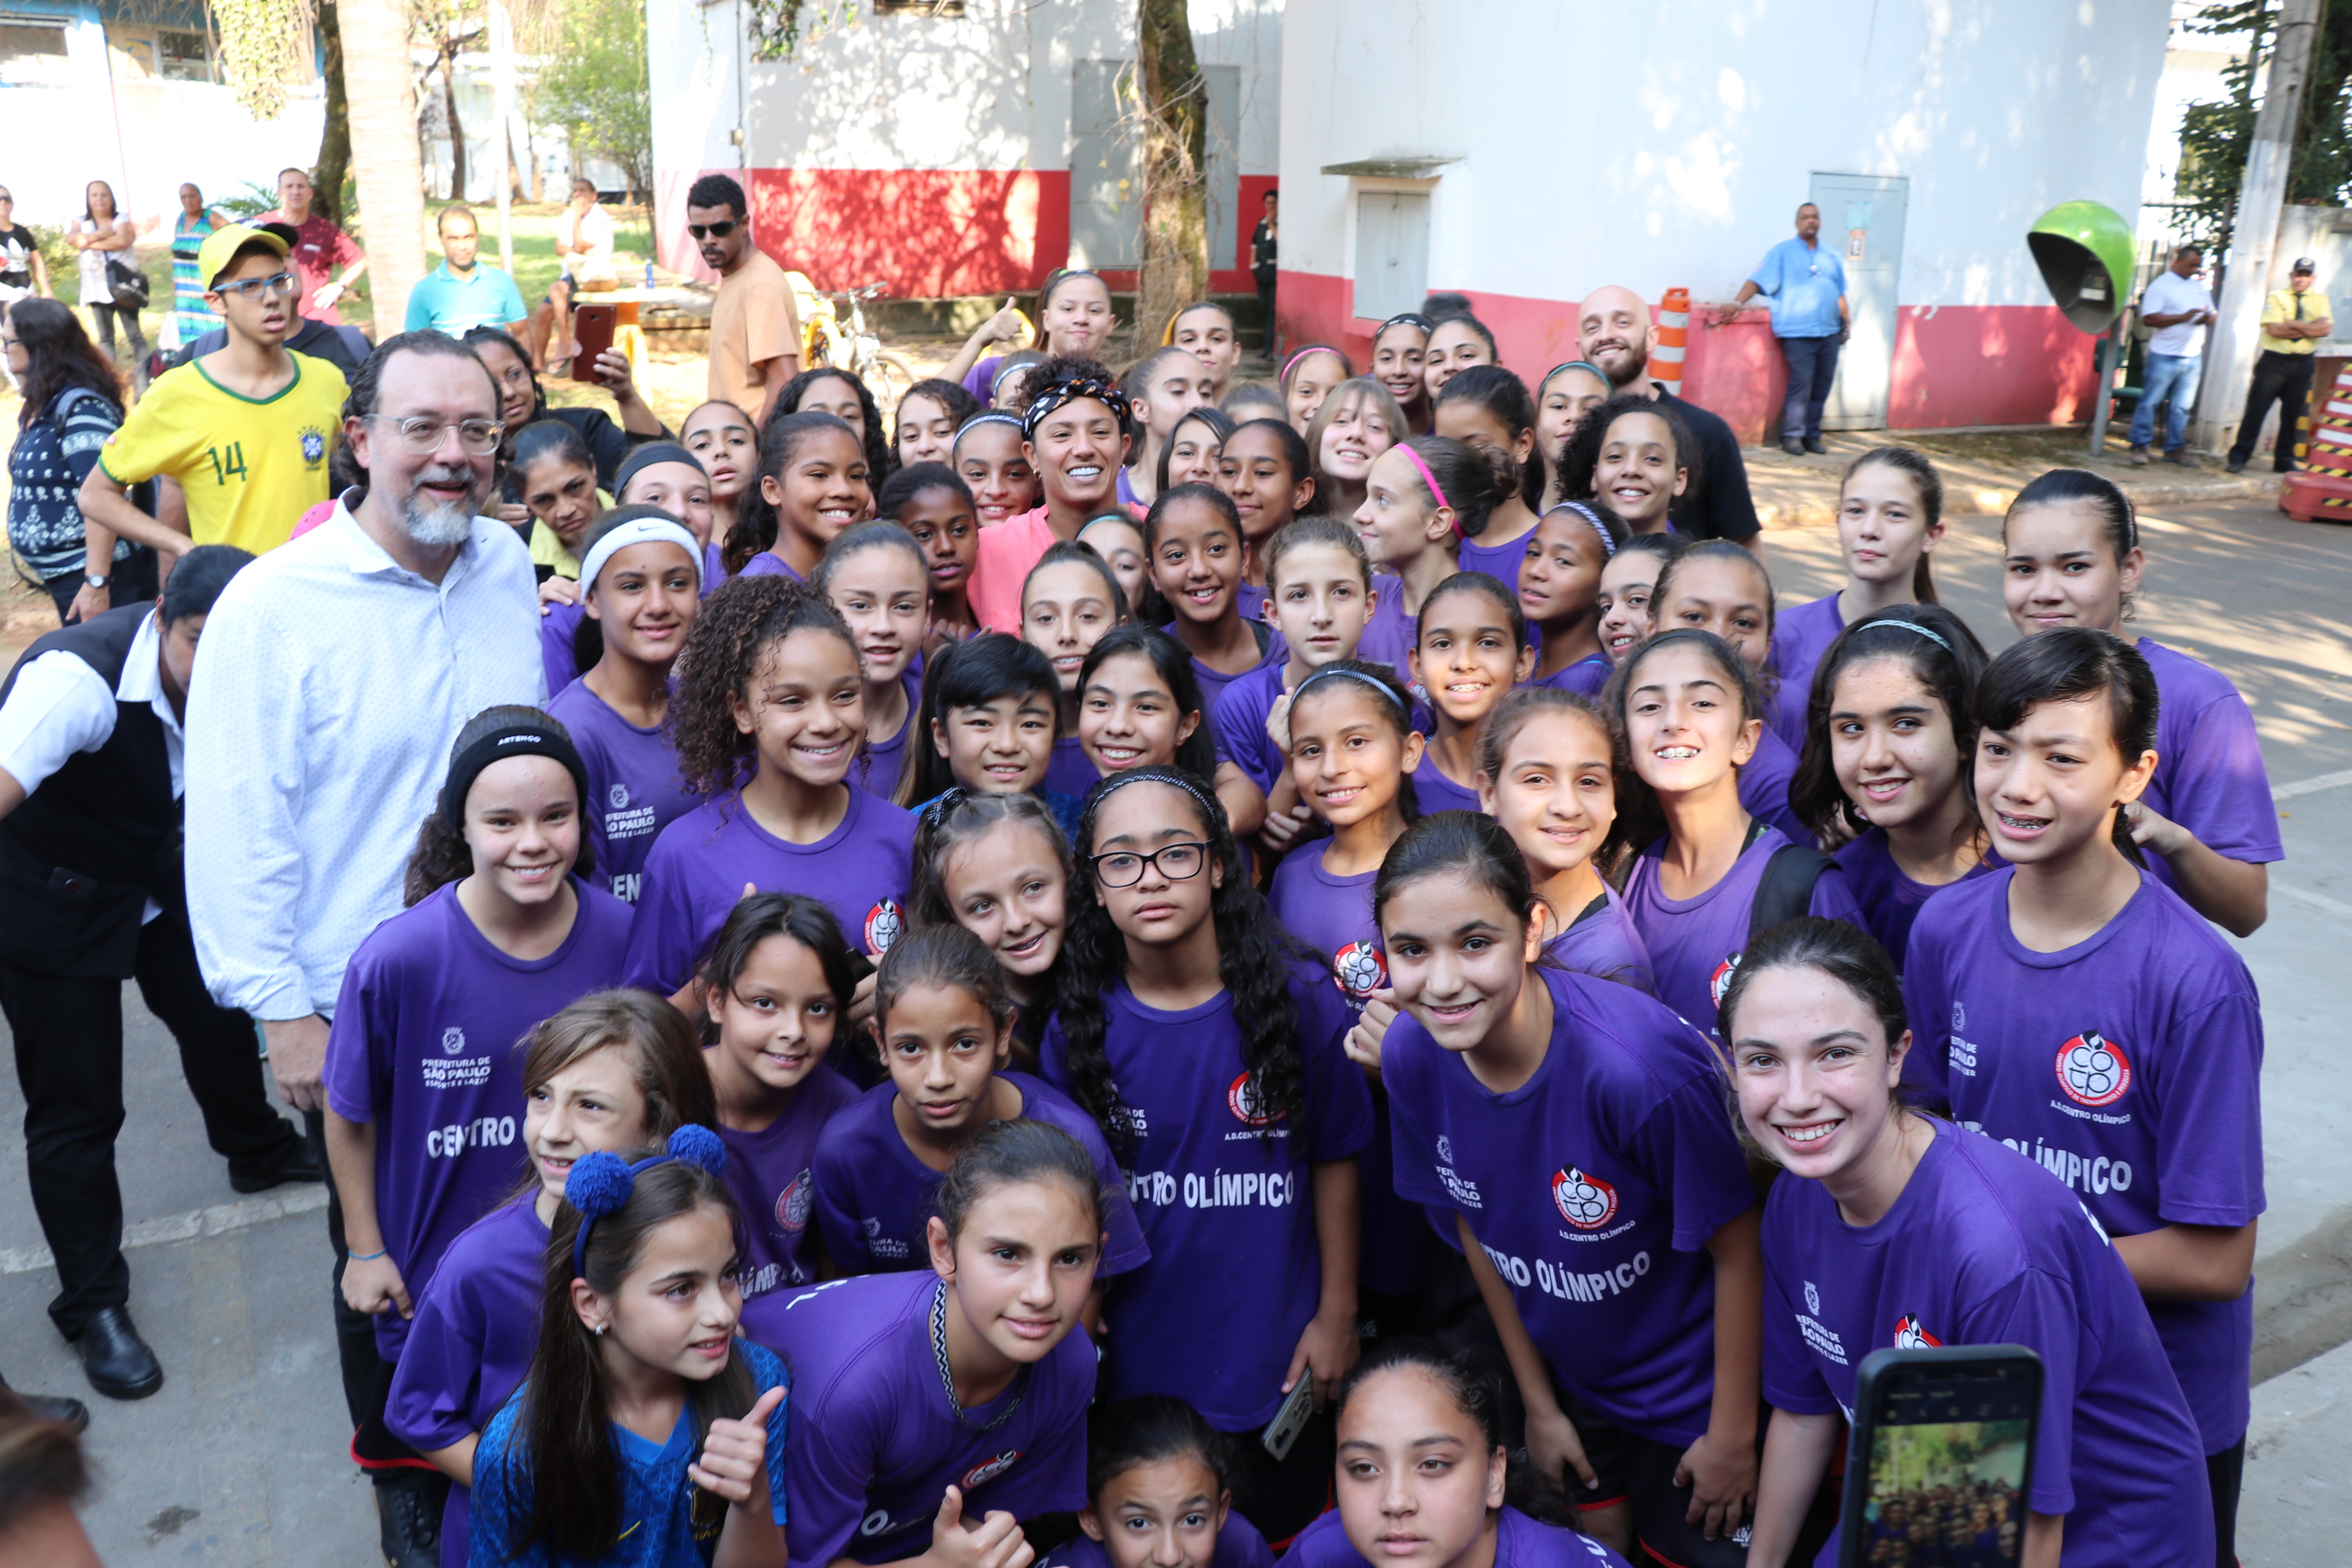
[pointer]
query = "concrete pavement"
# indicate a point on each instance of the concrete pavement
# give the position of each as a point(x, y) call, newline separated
point(241, 1458)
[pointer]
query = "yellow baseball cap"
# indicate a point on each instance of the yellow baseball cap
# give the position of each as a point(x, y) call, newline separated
point(220, 246)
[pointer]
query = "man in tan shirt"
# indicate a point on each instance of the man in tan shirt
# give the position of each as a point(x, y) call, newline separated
point(755, 332)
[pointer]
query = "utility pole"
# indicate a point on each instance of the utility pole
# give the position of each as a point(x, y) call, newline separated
point(2253, 233)
point(502, 92)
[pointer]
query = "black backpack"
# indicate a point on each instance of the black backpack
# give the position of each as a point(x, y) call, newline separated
point(1786, 889)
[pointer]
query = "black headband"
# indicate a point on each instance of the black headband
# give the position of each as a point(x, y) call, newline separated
point(1055, 393)
point(496, 747)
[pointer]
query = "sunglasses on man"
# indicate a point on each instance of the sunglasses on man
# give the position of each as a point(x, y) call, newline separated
point(714, 230)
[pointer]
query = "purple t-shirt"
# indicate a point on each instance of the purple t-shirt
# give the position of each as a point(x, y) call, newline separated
point(1594, 1186)
point(1982, 1249)
point(1764, 787)
point(1519, 1542)
point(1389, 632)
point(1436, 792)
point(2130, 1064)
point(878, 774)
point(1070, 772)
point(876, 1441)
point(470, 1344)
point(875, 1199)
point(767, 564)
point(772, 1175)
point(556, 652)
point(1697, 942)
point(1501, 561)
point(1252, 600)
point(1241, 711)
point(1271, 653)
point(1585, 677)
point(1239, 1545)
point(1799, 637)
point(1601, 941)
point(426, 1043)
point(695, 876)
point(1333, 915)
point(1226, 1199)
point(2210, 776)
point(1890, 901)
point(634, 787)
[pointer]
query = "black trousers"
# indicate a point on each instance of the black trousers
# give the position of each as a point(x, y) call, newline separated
point(367, 1376)
point(68, 1043)
point(2283, 379)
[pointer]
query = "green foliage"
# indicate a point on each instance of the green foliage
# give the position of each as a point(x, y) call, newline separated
point(249, 202)
point(777, 28)
point(2215, 137)
point(594, 85)
point(260, 44)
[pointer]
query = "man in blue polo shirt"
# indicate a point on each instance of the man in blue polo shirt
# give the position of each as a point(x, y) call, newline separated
point(1807, 286)
point(461, 294)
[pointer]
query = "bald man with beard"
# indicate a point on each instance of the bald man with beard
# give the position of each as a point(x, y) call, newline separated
point(1613, 332)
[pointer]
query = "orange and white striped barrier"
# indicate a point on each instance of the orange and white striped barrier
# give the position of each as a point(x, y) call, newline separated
point(1669, 339)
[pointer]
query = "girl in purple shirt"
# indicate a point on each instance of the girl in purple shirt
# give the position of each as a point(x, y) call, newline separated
point(935, 507)
point(1890, 519)
point(1140, 705)
point(1158, 1495)
point(1548, 768)
point(1692, 722)
point(646, 1432)
point(1626, 584)
point(1320, 586)
point(953, 1400)
point(1162, 387)
point(774, 989)
point(1886, 763)
point(1264, 471)
point(1207, 1044)
point(1492, 412)
point(1717, 586)
point(879, 579)
point(778, 810)
point(986, 724)
point(2098, 1023)
point(946, 1026)
point(1423, 499)
point(998, 866)
point(1887, 1229)
point(2072, 554)
point(1559, 578)
point(1426, 1480)
point(1070, 598)
point(615, 1071)
point(813, 484)
point(1193, 538)
point(421, 1080)
point(643, 575)
point(1470, 648)
point(1624, 1283)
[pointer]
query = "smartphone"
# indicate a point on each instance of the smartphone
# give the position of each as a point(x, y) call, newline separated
point(1291, 1419)
point(592, 334)
point(1941, 1456)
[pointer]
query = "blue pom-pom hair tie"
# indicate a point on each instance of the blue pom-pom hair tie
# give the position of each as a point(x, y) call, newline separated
point(601, 1182)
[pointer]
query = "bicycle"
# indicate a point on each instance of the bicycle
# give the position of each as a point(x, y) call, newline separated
point(826, 340)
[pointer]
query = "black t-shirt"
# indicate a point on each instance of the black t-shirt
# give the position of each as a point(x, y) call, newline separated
point(1720, 506)
point(1262, 253)
point(17, 245)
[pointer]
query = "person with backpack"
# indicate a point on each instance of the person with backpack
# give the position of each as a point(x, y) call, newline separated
point(73, 405)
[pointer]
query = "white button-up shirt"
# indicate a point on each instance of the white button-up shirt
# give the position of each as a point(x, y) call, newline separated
point(330, 685)
point(59, 705)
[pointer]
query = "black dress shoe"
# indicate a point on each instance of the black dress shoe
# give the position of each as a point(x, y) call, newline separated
point(295, 1164)
point(1794, 448)
point(115, 1359)
point(1813, 445)
point(66, 1412)
point(408, 1521)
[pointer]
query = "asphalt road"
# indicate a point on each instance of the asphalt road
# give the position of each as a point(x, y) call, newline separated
point(240, 1459)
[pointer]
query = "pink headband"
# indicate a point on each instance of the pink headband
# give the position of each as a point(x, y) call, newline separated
point(1436, 493)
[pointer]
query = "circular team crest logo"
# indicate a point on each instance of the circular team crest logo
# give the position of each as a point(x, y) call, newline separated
point(314, 448)
point(453, 1040)
point(1910, 1336)
point(793, 1203)
point(1960, 1017)
point(1813, 1299)
point(990, 1470)
point(2093, 1069)
point(1444, 1149)
point(1242, 1099)
point(883, 925)
point(617, 796)
point(1720, 981)
point(1361, 969)
point(1586, 1202)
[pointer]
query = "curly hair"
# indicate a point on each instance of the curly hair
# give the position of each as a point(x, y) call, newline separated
point(1579, 455)
point(61, 356)
point(724, 649)
point(1257, 960)
point(951, 395)
point(881, 455)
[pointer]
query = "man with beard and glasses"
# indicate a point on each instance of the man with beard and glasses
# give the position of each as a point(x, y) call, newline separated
point(1613, 332)
point(332, 678)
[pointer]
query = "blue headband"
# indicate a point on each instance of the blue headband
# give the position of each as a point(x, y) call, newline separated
point(1332, 671)
point(601, 1182)
point(1933, 636)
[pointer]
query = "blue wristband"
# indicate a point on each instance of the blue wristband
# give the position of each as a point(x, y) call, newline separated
point(364, 1257)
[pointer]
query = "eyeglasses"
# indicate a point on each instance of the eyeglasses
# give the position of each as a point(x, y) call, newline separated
point(714, 230)
point(1124, 869)
point(248, 288)
point(423, 436)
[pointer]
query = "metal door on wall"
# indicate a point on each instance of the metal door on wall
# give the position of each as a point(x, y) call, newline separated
point(1107, 164)
point(1861, 218)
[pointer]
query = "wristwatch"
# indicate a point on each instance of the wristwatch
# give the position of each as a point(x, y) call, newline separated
point(93, 580)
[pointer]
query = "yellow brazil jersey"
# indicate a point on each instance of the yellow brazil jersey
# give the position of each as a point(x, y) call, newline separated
point(250, 467)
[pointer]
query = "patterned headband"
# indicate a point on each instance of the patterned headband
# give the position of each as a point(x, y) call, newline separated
point(1933, 636)
point(1076, 389)
point(1608, 545)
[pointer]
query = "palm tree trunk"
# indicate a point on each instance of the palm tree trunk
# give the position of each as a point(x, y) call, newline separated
point(457, 127)
point(335, 141)
point(390, 175)
point(1175, 167)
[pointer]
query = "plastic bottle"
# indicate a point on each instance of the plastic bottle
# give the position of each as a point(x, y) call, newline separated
point(650, 274)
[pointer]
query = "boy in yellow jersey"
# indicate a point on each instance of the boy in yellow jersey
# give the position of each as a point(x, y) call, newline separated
point(245, 430)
